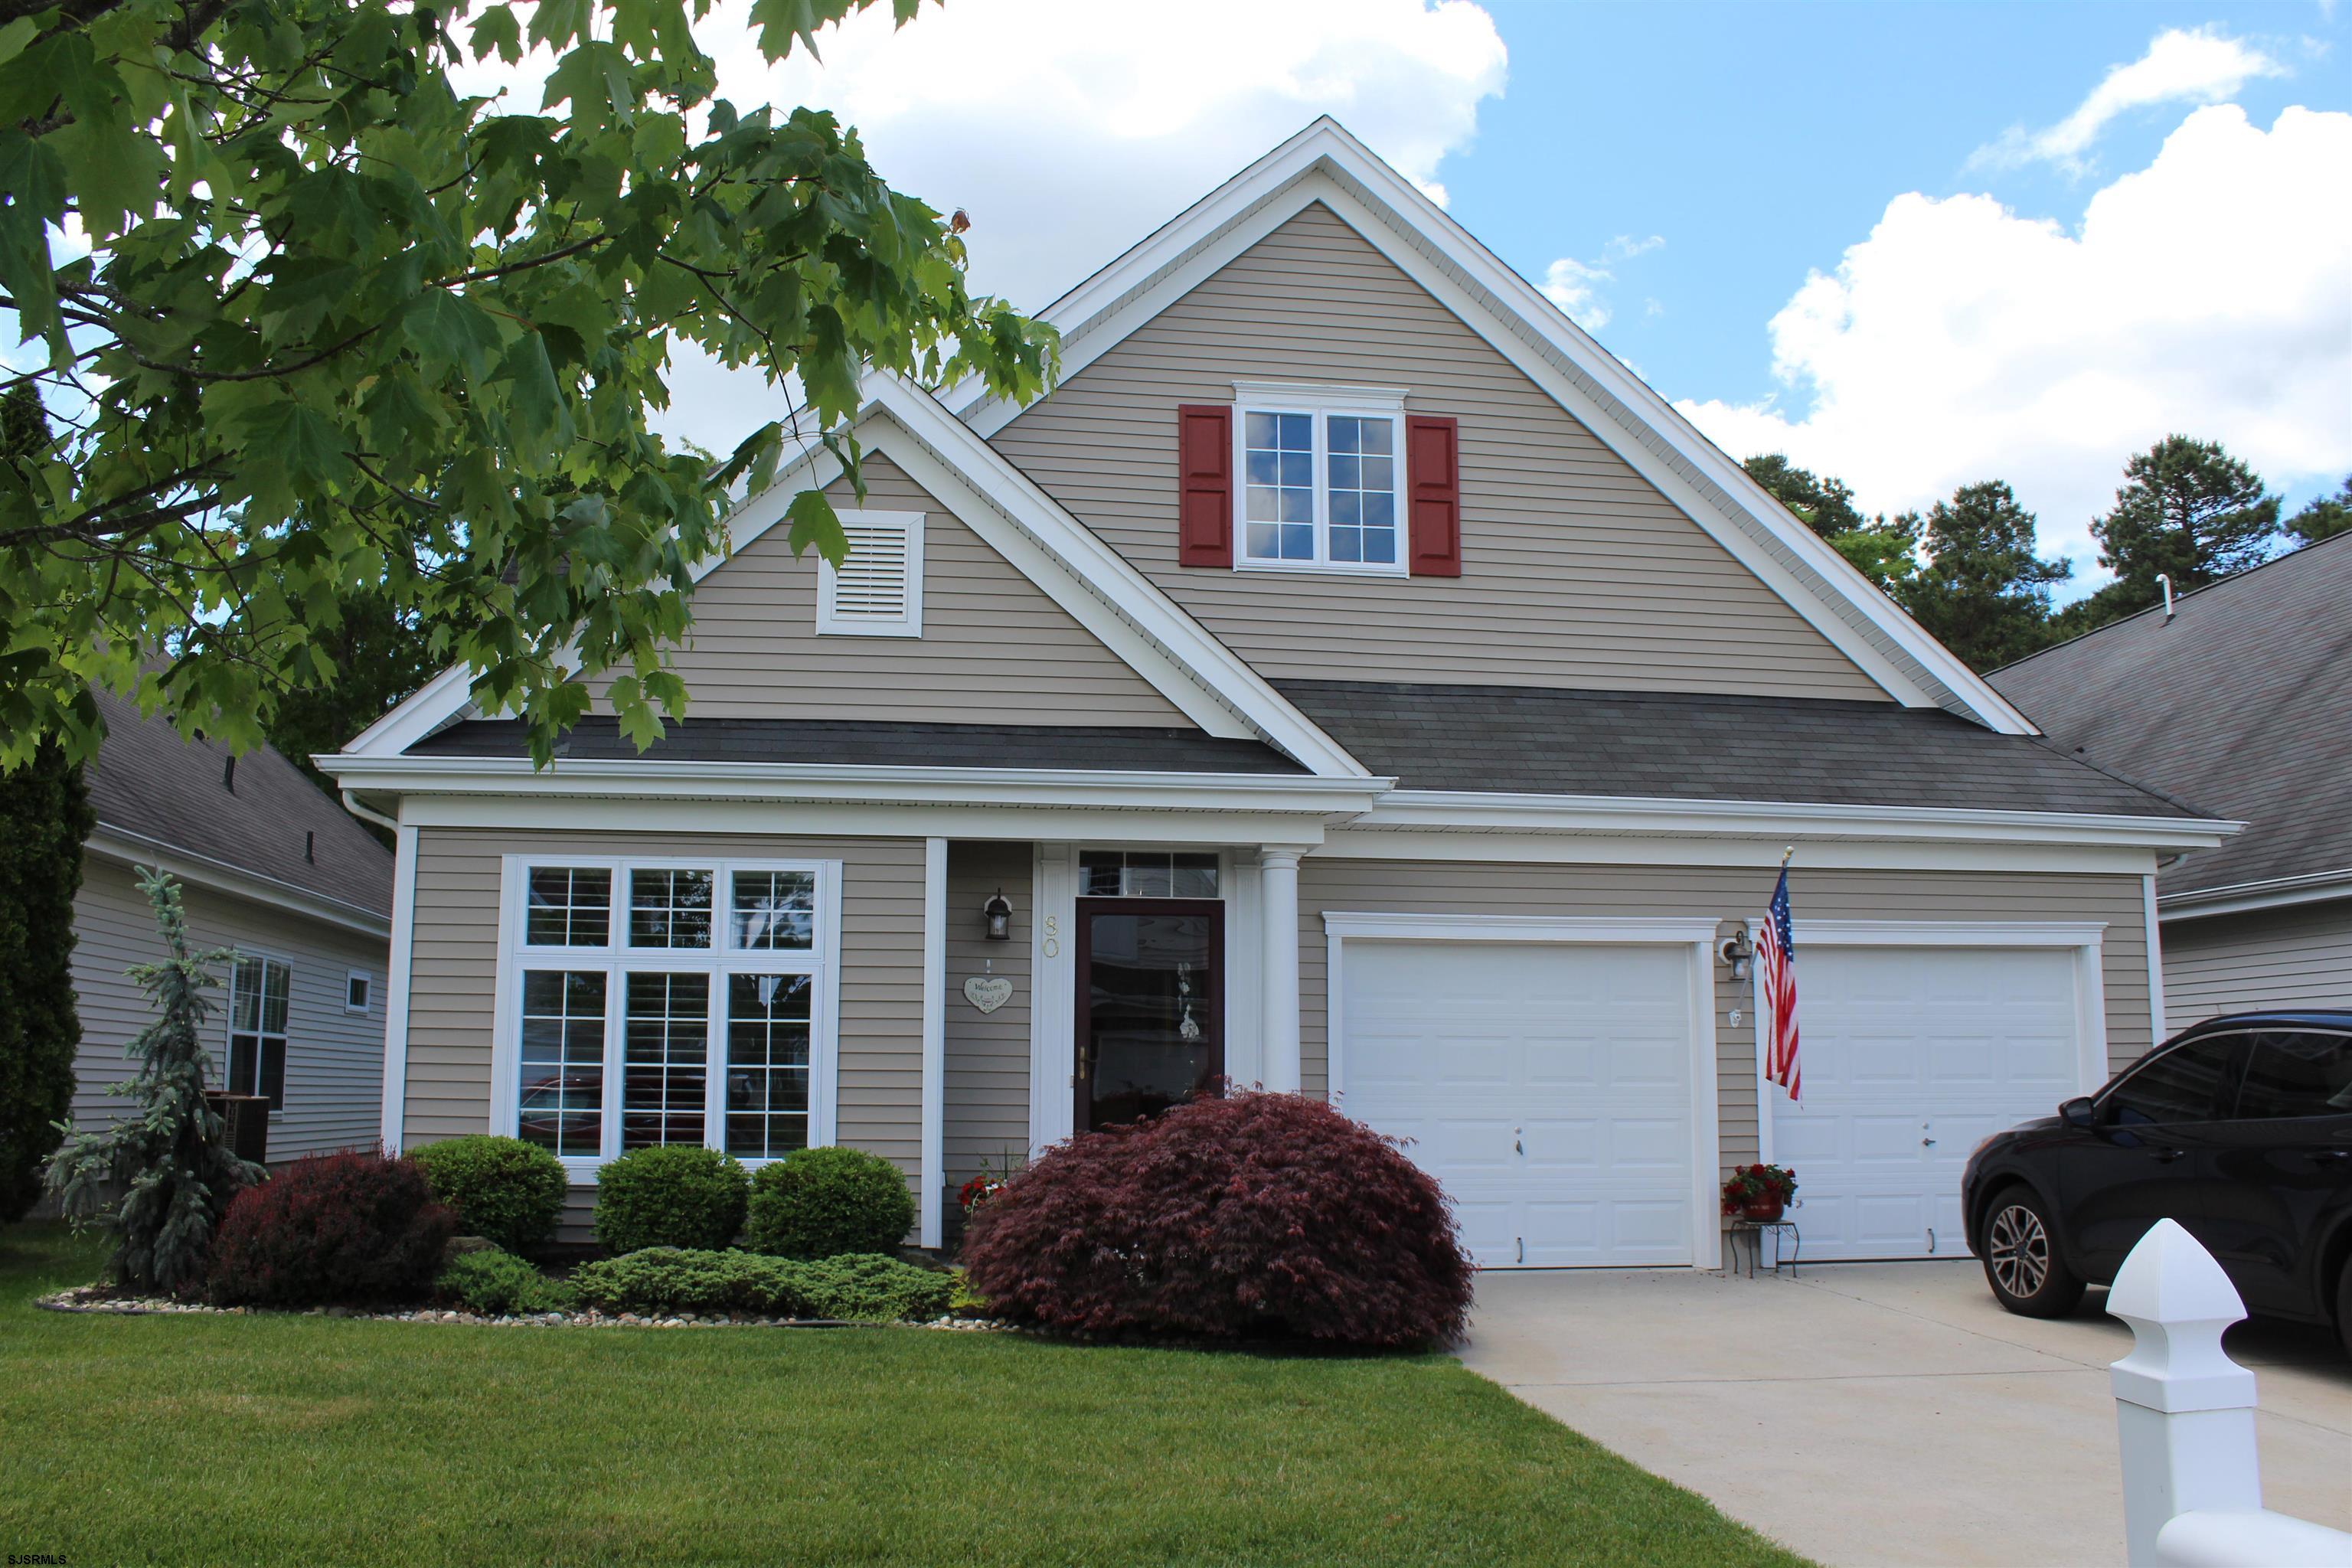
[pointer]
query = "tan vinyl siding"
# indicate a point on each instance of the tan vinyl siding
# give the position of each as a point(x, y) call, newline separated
point(334, 1059)
point(1730, 896)
point(987, 1053)
point(994, 647)
point(2296, 957)
point(1576, 571)
point(455, 974)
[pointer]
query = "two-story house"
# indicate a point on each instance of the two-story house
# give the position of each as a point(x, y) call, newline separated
point(1349, 678)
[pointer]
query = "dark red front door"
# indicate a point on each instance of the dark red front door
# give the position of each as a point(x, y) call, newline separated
point(1150, 1030)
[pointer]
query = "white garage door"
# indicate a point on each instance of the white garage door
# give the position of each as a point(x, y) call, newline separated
point(1911, 1056)
point(1547, 1087)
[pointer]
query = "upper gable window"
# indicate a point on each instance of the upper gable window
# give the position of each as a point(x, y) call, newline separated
point(1321, 477)
point(878, 589)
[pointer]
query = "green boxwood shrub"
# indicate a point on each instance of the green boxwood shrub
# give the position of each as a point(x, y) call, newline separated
point(670, 1196)
point(870, 1288)
point(674, 1280)
point(498, 1284)
point(504, 1190)
point(825, 1201)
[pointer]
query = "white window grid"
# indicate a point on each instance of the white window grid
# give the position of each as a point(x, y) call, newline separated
point(733, 951)
point(1318, 406)
point(261, 1008)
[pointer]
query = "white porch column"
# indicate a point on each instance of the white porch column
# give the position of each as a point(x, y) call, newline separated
point(1279, 922)
point(933, 1160)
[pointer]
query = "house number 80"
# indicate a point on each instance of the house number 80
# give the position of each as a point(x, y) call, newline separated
point(1052, 936)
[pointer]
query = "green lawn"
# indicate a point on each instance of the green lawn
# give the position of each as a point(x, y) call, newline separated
point(311, 1440)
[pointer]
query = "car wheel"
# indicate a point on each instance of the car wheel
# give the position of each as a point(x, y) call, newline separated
point(2021, 1262)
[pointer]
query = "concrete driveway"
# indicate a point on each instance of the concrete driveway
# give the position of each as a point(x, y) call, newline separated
point(1883, 1413)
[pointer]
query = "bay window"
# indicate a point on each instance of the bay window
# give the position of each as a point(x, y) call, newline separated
point(647, 1002)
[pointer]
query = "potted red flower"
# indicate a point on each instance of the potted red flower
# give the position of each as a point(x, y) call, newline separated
point(1761, 1193)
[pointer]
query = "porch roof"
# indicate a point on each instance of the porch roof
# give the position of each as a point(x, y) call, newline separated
point(860, 744)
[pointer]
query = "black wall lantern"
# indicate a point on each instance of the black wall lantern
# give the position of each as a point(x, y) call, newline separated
point(1736, 951)
point(999, 916)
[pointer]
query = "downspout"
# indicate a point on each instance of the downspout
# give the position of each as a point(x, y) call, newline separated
point(368, 814)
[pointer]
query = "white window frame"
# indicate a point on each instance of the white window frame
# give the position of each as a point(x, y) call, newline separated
point(1317, 402)
point(366, 977)
point(832, 621)
point(261, 1035)
point(615, 958)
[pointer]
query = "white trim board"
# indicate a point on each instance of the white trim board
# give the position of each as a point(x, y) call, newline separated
point(933, 1160)
point(1696, 936)
point(1324, 163)
point(395, 985)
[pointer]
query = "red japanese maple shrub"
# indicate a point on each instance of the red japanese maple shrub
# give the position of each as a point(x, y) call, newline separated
point(1254, 1214)
point(332, 1229)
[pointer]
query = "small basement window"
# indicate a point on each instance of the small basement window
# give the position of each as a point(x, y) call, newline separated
point(878, 589)
point(1321, 477)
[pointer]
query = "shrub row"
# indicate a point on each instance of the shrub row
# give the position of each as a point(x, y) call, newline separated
point(870, 1287)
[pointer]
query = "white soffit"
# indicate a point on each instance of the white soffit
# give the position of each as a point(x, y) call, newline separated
point(1324, 163)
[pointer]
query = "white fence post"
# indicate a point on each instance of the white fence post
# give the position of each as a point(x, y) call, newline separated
point(2192, 1491)
point(2185, 1410)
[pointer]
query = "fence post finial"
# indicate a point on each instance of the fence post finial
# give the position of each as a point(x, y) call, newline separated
point(2185, 1411)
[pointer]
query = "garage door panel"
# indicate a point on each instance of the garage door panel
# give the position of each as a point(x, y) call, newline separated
point(1912, 1056)
point(1548, 1086)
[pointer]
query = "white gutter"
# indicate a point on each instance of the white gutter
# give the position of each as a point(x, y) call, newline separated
point(1482, 812)
point(656, 779)
point(2275, 892)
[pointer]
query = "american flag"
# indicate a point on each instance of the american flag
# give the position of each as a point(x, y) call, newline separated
point(1776, 957)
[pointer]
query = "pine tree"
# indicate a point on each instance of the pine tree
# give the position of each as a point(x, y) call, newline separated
point(161, 1179)
point(1983, 593)
point(2325, 518)
point(2187, 510)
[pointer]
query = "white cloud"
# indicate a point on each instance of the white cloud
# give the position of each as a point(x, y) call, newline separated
point(1569, 284)
point(2205, 294)
point(1070, 129)
point(2182, 66)
point(1574, 286)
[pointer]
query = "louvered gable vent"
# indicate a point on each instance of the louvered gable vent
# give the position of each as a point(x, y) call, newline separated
point(878, 591)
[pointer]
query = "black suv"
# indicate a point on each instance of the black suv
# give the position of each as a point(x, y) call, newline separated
point(2240, 1129)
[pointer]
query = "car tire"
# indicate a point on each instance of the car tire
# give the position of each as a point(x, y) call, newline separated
point(2021, 1258)
point(2344, 1306)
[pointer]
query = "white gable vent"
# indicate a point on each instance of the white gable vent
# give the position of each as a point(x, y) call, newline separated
point(876, 590)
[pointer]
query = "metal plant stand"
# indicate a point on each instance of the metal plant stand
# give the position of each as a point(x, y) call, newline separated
point(1785, 1253)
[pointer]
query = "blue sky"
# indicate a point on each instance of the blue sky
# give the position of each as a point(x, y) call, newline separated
point(1759, 141)
point(1912, 245)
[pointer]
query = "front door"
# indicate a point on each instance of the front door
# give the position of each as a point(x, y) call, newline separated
point(1150, 1026)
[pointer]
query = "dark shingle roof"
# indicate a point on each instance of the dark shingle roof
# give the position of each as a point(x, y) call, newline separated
point(2242, 702)
point(151, 784)
point(829, 742)
point(1699, 746)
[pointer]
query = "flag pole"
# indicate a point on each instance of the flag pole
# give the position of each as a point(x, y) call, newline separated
point(1787, 855)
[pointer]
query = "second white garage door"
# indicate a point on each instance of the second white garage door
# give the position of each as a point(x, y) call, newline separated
point(1912, 1056)
point(1546, 1086)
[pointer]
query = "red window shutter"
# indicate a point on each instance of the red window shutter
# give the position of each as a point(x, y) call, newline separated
point(1204, 482)
point(1433, 495)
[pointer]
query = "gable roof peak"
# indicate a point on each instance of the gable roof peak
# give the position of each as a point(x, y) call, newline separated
point(1325, 162)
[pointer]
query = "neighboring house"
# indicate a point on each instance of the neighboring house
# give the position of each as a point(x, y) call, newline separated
point(1353, 680)
point(268, 865)
point(2239, 700)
